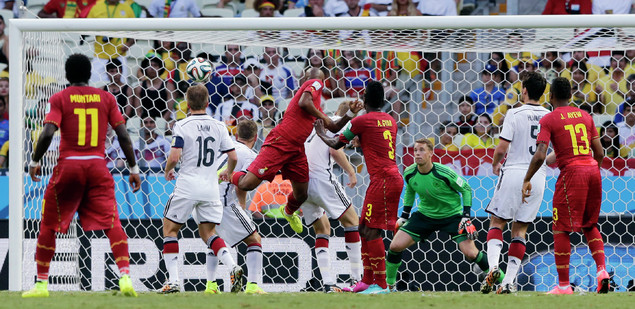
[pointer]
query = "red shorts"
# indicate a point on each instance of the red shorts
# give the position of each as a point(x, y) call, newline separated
point(277, 154)
point(577, 199)
point(83, 186)
point(382, 202)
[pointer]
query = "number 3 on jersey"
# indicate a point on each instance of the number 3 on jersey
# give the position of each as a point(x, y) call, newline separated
point(388, 136)
point(94, 126)
point(579, 129)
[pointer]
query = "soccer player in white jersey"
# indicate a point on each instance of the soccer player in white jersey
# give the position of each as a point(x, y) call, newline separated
point(236, 225)
point(326, 196)
point(518, 141)
point(197, 141)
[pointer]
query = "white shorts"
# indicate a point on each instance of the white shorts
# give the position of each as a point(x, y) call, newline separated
point(507, 201)
point(324, 196)
point(178, 210)
point(235, 226)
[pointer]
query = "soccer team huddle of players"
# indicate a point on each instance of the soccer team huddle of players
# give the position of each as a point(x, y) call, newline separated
point(216, 173)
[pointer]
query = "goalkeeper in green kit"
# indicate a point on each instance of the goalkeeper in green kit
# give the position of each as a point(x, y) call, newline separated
point(440, 190)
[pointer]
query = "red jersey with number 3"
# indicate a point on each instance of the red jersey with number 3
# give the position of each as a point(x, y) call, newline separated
point(82, 114)
point(297, 124)
point(571, 131)
point(377, 134)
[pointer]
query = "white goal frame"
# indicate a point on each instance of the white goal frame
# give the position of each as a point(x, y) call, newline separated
point(18, 26)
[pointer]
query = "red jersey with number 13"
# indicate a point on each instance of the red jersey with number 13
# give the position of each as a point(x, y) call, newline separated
point(377, 134)
point(571, 131)
point(297, 124)
point(82, 114)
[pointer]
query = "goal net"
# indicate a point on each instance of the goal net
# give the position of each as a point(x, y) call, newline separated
point(447, 79)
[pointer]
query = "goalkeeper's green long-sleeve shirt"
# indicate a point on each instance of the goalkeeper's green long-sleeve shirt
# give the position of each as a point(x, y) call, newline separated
point(440, 191)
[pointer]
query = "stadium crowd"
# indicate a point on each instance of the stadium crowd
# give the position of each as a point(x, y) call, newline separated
point(258, 87)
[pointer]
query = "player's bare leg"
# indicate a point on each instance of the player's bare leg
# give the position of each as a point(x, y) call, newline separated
point(322, 229)
point(246, 181)
point(294, 201)
point(350, 222)
point(171, 256)
point(596, 247)
point(562, 255)
point(254, 263)
point(400, 242)
point(220, 252)
point(375, 262)
point(514, 257)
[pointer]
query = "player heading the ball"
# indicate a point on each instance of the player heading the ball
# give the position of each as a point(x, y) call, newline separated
point(81, 183)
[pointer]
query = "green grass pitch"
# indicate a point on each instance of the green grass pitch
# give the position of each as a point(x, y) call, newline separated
point(425, 300)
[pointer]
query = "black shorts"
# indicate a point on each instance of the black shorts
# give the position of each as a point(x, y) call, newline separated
point(419, 227)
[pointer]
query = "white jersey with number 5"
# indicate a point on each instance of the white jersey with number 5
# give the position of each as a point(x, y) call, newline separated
point(202, 139)
point(520, 128)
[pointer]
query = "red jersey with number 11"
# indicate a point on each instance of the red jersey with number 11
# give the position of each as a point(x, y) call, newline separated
point(571, 131)
point(377, 134)
point(82, 114)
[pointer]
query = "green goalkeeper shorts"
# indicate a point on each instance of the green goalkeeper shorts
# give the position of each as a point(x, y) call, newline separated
point(419, 227)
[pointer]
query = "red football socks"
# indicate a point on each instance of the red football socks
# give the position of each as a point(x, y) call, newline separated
point(44, 252)
point(377, 260)
point(235, 178)
point(596, 246)
point(292, 204)
point(562, 253)
point(119, 247)
point(368, 277)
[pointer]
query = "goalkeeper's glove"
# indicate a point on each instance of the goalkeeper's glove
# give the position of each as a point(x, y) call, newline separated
point(405, 214)
point(468, 228)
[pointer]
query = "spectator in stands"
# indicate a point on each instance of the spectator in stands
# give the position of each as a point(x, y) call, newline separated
point(173, 9)
point(65, 9)
point(4, 155)
point(551, 65)
point(467, 119)
point(482, 137)
point(228, 110)
point(278, 75)
point(380, 7)
point(583, 94)
point(153, 96)
point(7, 4)
point(629, 96)
point(564, 7)
point(230, 64)
point(333, 81)
point(335, 7)
point(488, 97)
point(354, 9)
point(115, 157)
point(4, 96)
point(121, 91)
point(107, 48)
point(626, 130)
point(594, 72)
point(315, 8)
point(163, 50)
point(155, 148)
point(181, 56)
point(437, 7)
point(612, 88)
point(447, 132)
point(403, 8)
point(269, 197)
point(269, 114)
point(267, 8)
point(4, 124)
point(497, 60)
point(4, 43)
point(610, 139)
point(257, 88)
point(612, 6)
point(356, 76)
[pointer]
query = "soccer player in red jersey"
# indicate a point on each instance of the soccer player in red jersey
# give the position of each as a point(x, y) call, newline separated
point(81, 182)
point(377, 132)
point(578, 196)
point(283, 149)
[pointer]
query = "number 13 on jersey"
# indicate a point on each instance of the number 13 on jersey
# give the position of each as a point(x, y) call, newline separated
point(579, 129)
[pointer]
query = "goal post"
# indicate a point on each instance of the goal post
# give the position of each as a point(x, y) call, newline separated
point(455, 50)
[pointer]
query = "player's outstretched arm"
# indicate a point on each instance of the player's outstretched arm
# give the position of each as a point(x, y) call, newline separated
point(43, 143)
point(340, 158)
point(535, 164)
point(128, 151)
point(332, 142)
point(353, 108)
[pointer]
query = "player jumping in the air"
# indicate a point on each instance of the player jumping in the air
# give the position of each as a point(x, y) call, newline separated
point(326, 194)
point(377, 132)
point(578, 195)
point(518, 141)
point(81, 182)
point(197, 141)
point(440, 190)
point(237, 226)
point(283, 149)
